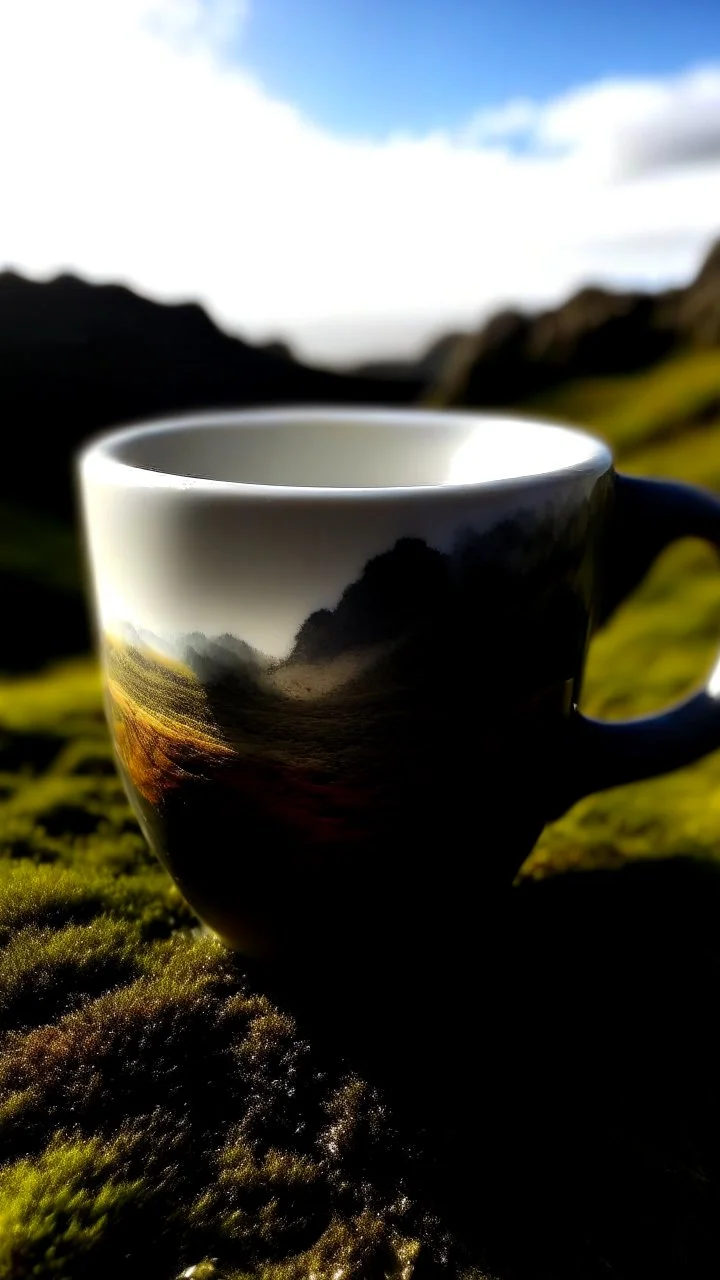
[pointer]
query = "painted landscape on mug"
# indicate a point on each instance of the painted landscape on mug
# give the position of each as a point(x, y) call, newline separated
point(395, 714)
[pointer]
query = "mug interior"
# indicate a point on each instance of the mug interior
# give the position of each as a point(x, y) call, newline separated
point(354, 449)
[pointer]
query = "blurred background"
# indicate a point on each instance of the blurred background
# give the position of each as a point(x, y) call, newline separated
point(440, 202)
point(214, 202)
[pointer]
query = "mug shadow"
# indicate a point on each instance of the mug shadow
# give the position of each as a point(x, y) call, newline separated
point(561, 1098)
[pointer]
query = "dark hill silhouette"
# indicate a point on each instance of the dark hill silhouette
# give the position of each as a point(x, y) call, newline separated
point(411, 603)
point(595, 332)
point(427, 367)
point(76, 357)
point(414, 590)
point(212, 658)
point(398, 592)
point(698, 308)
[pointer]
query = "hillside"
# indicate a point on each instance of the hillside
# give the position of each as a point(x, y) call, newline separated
point(595, 333)
point(663, 419)
point(76, 357)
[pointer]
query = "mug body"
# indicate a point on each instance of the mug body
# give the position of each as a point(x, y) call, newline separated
point(340, 649)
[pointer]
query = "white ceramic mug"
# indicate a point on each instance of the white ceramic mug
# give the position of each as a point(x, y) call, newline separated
point(342, 653)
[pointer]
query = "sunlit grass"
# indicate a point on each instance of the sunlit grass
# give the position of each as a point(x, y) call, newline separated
point(61, 702)
point(661, 643)
point(634, 409)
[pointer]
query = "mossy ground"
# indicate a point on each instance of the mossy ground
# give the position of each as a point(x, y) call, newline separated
point(158, 1115)
point(666, 423)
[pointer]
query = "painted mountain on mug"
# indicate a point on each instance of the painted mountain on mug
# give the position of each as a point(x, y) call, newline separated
point(395, 714)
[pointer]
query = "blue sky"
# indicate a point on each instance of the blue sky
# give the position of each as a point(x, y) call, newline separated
point(358, 176)
point(372, 66)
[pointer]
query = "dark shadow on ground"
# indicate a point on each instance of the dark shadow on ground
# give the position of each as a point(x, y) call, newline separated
point(572, 1115)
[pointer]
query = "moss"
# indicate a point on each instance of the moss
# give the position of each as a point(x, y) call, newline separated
point(661, 644)
point(656, 650)
point(31, 895)
point(262, 1205)
point(360, 1247)
point(42, 970)
point(65, 1212)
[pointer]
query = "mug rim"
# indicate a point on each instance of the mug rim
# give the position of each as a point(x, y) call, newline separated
point(98, 459)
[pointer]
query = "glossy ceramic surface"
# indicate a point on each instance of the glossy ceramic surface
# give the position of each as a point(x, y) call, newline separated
point(343, 653)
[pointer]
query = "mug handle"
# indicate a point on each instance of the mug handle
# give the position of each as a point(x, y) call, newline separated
point(648, 515)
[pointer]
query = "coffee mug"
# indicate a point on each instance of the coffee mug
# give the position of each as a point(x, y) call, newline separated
point(343, 652)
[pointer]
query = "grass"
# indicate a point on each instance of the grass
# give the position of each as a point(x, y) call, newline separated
point(637, 410)
point(159, 1116)
point(665, 639)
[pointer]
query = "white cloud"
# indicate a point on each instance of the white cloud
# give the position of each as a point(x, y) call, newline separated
point(515, 118)
point(132, 147)
point(633, 128)
point(213, 23)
